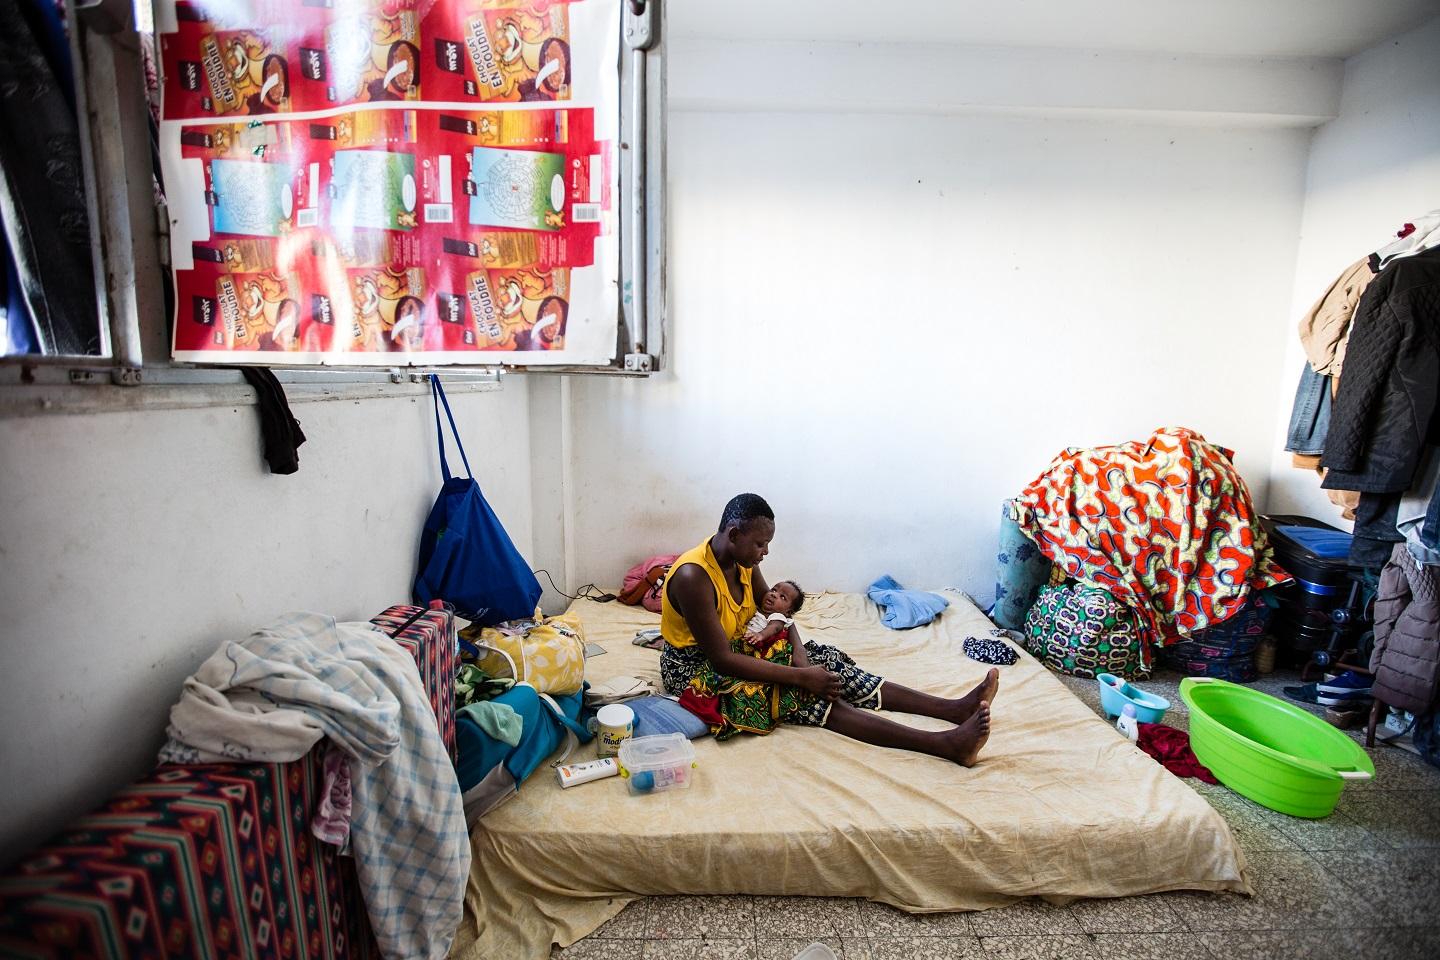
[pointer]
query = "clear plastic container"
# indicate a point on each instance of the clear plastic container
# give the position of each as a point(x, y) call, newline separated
point(654, 764)
point(816, 951)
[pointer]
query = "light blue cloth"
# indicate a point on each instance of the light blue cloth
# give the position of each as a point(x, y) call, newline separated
point(1020, 571)
point(497, 719)
point(901, 609)
point(657, 715)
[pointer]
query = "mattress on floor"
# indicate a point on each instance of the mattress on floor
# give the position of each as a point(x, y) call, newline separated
point(1060, 806)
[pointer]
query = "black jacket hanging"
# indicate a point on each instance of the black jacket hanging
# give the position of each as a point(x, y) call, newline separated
point(1384, 412)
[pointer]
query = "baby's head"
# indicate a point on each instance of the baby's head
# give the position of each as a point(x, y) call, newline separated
point(785, 598)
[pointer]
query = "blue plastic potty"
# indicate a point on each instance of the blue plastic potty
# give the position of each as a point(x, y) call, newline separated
point(1115, 693)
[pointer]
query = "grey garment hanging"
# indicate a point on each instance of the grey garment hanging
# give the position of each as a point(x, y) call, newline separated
point(42, 194)
point(1406, 656)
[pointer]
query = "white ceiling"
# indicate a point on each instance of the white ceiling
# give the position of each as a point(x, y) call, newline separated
point(1230, 28)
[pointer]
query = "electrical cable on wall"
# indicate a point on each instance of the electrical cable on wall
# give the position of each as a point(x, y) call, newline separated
point(588, 592)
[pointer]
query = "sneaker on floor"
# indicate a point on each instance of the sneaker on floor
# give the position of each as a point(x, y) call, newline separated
point(1355, 697)
point(1305, 694)
point(1347, 682)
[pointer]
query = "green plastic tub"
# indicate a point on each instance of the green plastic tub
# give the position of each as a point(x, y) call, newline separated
point(1276, 754)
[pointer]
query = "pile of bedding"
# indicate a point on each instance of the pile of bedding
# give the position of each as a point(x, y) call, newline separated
point(1160, 540)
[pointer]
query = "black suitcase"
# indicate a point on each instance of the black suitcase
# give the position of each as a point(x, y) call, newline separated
point(1322, 599)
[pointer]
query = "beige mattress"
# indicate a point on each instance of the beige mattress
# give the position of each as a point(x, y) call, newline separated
point(1060, 806)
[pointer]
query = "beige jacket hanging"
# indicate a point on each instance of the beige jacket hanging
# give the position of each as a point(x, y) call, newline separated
point(1325, 328)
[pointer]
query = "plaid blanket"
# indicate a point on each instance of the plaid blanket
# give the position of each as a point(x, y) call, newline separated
point(361, 689)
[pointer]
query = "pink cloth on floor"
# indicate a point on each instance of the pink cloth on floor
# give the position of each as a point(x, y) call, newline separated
point(332, 819)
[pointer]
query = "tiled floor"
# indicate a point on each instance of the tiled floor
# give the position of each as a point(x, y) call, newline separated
point(1364, 882)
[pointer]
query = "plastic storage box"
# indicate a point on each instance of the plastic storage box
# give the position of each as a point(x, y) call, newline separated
point(653, 764)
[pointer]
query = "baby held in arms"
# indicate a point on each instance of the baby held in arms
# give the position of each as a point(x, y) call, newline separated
point(773, 620)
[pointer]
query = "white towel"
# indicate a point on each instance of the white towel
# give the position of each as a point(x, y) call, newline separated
point(1425, 235)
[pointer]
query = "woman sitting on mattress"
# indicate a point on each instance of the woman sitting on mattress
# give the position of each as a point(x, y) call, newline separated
point(709, 598)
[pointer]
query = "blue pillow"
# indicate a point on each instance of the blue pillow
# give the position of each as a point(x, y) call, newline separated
point(656, 715)
point(1020, 571)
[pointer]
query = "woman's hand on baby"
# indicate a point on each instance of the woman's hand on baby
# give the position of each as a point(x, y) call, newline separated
point(820, 682)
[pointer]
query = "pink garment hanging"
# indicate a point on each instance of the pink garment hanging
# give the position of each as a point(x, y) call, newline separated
point(332, 818)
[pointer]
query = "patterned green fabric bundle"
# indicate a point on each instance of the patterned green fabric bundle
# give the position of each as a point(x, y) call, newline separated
point(1083, 631)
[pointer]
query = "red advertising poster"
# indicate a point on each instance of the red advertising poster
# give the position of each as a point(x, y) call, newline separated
point(411, 181)
point(258, 57)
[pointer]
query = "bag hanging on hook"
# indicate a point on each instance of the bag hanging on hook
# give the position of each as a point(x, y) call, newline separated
point(466, 557)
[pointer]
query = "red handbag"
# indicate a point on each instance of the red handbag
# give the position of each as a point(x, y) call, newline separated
point(645, 581)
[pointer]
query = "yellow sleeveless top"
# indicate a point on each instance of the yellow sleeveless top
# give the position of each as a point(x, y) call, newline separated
point(733, 616)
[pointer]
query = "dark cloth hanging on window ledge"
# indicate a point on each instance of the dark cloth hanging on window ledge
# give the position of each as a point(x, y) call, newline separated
point(280, 431)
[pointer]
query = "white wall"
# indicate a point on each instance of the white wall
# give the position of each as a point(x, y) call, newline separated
point(131, 544)
point(887, 324)
point(1227, 28)
point(887, 77)
point(549, 476)
point(1372, 168)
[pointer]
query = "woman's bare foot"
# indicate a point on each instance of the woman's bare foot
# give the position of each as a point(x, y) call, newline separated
point(985, 692)
point(964, 742)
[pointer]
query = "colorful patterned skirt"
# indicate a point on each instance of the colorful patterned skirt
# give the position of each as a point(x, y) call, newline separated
point(747, 706)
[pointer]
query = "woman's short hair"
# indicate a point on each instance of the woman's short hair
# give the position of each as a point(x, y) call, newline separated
point(743, 509)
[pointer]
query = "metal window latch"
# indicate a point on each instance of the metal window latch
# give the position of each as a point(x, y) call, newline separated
point(640, 24)
point(120, 376)
point(639, 363)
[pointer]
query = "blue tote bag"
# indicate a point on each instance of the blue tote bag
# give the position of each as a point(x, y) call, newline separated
point(466, 557)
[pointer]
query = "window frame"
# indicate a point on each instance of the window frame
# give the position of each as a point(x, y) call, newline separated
point(130, 241)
